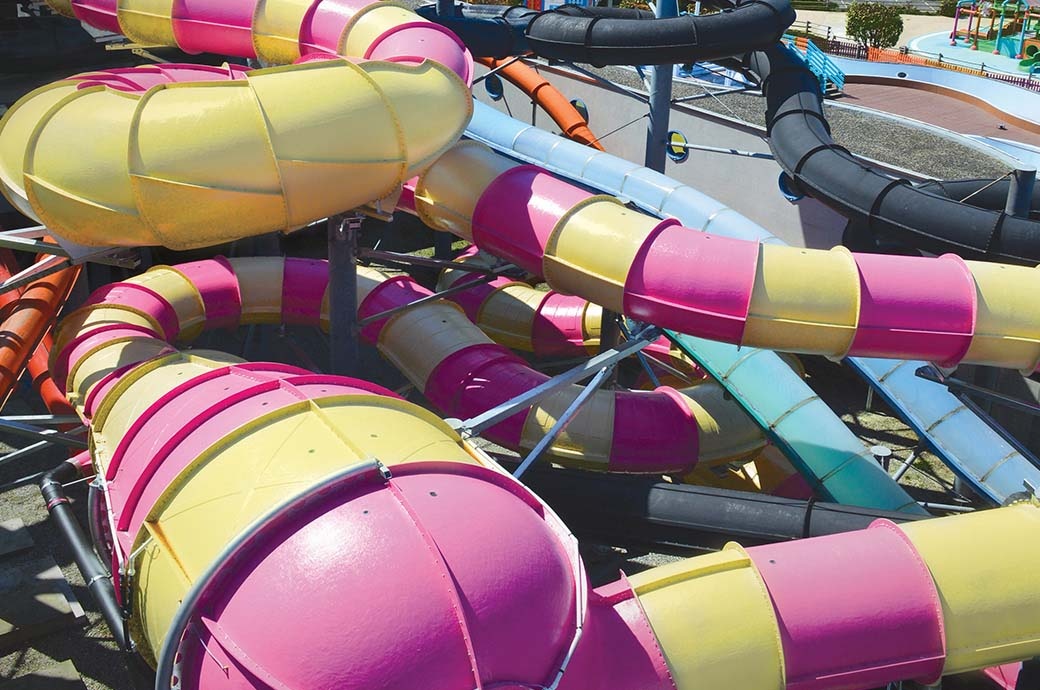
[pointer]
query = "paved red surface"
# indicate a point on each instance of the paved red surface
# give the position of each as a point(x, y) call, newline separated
point(936, 109)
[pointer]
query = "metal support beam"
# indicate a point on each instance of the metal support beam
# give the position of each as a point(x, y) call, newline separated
point(474, 425)
point(442, 242)
point(660, 100)
point(37, 433)
point(598, 380)
point(955, 386)
point(907, 463)
point(1020, 192)
point(41, 419)
point(455, 289)
point(395, 259)
point(343, 328)
point(8, 458)
point(731, 152)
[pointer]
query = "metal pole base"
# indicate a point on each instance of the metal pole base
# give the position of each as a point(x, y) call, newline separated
point(345, 354)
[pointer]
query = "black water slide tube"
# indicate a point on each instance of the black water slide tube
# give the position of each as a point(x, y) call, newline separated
point(606, 36)
point(931, 217)
point(800, 139)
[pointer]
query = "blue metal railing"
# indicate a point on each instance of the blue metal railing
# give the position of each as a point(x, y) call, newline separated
point(818, 63)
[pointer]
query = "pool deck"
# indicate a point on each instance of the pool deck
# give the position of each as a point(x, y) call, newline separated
point(936, 109)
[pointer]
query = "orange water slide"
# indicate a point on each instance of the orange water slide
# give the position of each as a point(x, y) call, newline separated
point(26, 319)
point(547, 96)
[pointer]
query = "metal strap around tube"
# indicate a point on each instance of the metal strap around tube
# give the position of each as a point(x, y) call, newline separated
point(165, 671)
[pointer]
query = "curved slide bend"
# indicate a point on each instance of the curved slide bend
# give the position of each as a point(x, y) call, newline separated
point(247, 509)
point(799, 135)
point(945, 310)
point(800, 139)
point(290, 127)
point(611, 36)
point(458, 368)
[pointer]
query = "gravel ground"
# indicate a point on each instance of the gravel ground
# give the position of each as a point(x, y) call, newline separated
point(862, 132)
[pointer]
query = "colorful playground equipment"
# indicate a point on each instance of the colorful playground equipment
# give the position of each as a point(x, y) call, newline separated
point(375, 544)
point(1013, 27)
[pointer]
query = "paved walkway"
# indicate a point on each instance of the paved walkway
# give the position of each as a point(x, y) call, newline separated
point(936, 109)
point(914, 25)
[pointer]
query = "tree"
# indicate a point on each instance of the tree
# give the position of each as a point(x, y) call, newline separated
point(874, 25)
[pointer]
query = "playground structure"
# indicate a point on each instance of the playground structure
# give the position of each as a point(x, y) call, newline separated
point(181, 510)
point(1014, 28)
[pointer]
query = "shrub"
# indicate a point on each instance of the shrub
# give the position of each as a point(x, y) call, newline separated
point(874, 25)
point(947, 8)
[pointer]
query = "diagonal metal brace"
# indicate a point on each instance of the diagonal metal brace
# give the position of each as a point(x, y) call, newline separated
point(475, 425)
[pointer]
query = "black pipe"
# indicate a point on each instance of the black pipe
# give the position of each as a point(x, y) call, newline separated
point(99, 583)
point(610, 36)
point(630, 509)
point(801, 142)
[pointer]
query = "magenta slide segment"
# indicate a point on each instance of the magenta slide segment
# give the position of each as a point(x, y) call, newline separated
point(279, 32)
point(874, 575)
point(942, 309)
point(454, 603)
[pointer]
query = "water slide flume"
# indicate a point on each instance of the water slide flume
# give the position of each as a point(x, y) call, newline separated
point(242, 489)
point(945, 310)
point(799, 135)
point(300, 167)
point(283, 147)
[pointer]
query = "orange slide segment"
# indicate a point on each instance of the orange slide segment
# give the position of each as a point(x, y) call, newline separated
point(547, 96)
point(26, 319)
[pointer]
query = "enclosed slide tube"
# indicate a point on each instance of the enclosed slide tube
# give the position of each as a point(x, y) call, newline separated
point(945, 310)
point(800, 139)
point(767, 296)
point(788, 409)
point(611, 36)
point(925, 217)
point(462, 372)
point(242, 492)
point(284, 146)
point(545, 323)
